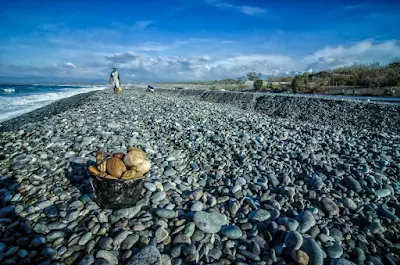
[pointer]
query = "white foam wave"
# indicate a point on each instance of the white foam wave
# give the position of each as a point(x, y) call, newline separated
point(8, 90)
point(11, 107)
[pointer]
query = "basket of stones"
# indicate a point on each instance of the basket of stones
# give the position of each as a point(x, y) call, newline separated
point(118, 178)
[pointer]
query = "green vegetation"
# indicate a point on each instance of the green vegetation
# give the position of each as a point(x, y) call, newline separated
point(258, 84)
point(253, 76)
point(372, 76)
point(373, 79)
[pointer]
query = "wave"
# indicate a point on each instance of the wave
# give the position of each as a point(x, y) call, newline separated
point(8, 90)
point(11, 107)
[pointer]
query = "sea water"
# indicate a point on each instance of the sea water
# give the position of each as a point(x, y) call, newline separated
point(19, 99)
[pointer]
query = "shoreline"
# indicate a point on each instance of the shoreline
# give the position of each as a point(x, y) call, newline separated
point(49, 110)
point(374, 115)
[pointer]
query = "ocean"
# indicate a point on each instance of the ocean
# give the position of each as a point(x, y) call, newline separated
point(19, 99)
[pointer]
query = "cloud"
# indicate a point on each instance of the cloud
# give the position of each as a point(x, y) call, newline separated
point(70, 65)
point(354, 7)
point(251, 10)
point(141, 25)
point(139, 65)
point(363, 52)
point(248, 10)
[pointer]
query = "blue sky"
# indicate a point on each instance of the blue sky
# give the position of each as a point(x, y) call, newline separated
point(177, 40)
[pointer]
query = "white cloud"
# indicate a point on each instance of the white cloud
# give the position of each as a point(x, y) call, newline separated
point(248, 10)
point(69, 64)
point(357, 6)
point(140, 25)
point(363, 52)
point(139, 65)
point(251, 10)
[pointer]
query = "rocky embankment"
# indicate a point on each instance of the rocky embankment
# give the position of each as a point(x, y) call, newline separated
point(373, 116)
point(228, 185)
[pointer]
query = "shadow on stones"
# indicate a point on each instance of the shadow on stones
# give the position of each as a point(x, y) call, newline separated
point(77, 172)
point(19, 243)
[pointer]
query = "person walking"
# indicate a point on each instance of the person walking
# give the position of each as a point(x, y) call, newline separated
point(115, 80)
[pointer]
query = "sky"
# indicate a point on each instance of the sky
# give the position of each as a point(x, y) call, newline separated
point(188, 40)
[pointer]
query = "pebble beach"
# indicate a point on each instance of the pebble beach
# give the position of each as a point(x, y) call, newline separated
point(229, 184)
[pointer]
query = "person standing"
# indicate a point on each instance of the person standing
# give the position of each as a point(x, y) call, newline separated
point(115, 80)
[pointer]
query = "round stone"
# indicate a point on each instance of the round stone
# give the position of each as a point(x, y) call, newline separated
point(150, 186)
point(260, 215)
point(329, 206)
point(196, 207)
point(115, 167)
point(335, 251)
point(232, 232)
point(306, 221)
point(349, 203)
point(51, 212)
point(209, 222)
point(161, 234)
point(293, 240)
point(148, 255)
point(300, 257)
point(165, 213)
point(290, 223)
point(49, 253)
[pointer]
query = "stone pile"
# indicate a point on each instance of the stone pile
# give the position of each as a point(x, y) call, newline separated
point(132, 165)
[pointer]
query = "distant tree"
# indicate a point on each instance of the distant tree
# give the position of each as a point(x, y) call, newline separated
point(258, 84)
point(253, 76)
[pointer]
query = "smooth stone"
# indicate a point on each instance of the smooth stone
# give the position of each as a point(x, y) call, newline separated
point(382, 193)
point(260, 215)
point(107, 255)
point(376, 228)
point(105, 243)
point(115, 167)
point(51, 212)
point(300, 257)
point(313, 251)
point(189, 229)
point(148, 255)
point(85, 238)
point(127, 213)
point(352, 184)
point(130, 241)
point(306, 221)
point(215, 253)
point(196, 207)
point(336, 234)
point(150, 186)
point(165, 213)
point(232, 232)
point(38, 241)
point(349, 203)
point(87, 260)
point(11, 251)
point(329, 206)
point(169, 172)
point(209, 222)
point(249, 255)
point(335, 251)
point(159, 196)
point(290, 223)
point(182, 239)
point(161, 234)
point(49, 253)
point(293, 240)
point(120, 237)
point(22, 253)
point(342, 262)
